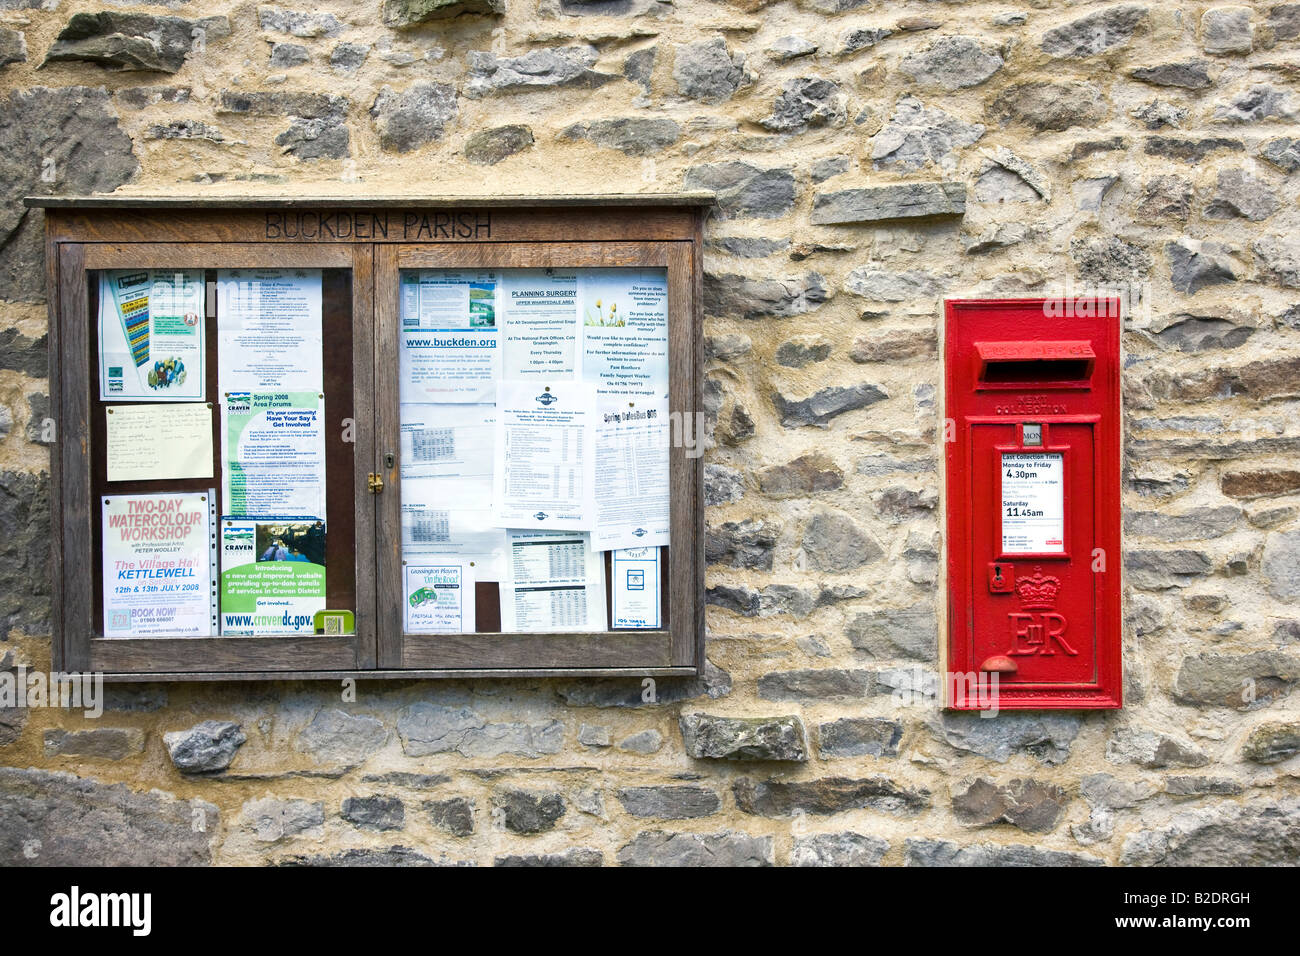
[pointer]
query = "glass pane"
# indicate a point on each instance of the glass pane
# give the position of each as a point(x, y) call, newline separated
point(222, 460)
point(534, 449)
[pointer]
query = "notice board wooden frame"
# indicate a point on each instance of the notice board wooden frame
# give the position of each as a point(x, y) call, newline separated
point(371, 238)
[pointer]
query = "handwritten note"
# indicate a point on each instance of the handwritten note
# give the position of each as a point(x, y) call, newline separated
point(157, 442)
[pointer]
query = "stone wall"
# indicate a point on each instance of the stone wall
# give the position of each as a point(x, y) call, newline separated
point(869, 159)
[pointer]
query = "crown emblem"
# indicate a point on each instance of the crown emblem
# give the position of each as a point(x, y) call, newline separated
point(1038, 590)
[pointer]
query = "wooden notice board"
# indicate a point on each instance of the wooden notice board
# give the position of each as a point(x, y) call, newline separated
point(363, 253)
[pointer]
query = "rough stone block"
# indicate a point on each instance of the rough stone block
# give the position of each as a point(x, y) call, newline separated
point(57, 819)
point(709, 737)
point(883, 203)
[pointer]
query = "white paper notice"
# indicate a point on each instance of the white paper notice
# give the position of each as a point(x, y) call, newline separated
point(635, 587)
point(449, 516)
point(449, 365)
point(269, 329)
point(625, 331)
point(452, 441)
point(631, 475)
point(553, 582)
point(543, 467)
point(1033, 503)
point(447, 485)
point(151, 335)
point(273, 449)
point(158, 565)
point(539, 316)
point(157, 442)
point(439, 596)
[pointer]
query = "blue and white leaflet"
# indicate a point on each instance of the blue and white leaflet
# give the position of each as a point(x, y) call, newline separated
point(635, 588)
point(450, 344)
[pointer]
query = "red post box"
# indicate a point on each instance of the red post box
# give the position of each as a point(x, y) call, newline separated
point(1033, 499)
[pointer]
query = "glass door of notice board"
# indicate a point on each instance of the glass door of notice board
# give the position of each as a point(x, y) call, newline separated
point(217, 398)
point(527, 426)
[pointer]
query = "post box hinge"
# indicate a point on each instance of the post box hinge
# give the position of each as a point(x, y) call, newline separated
point(375, 483)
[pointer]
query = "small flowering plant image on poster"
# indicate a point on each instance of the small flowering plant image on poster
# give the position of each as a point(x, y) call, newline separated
point(624, 349)
point(272, 575)
point(158, 565)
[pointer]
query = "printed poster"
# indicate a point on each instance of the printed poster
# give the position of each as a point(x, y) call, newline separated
point(450, 347)
point(446, 474)
point(158, 565)
point(439, 596)
point(449, 365)
point(151, 335)
point(539, 313)
point(273, 447)
point(272, 575)
point(269, 332)
point(554, 582)
point(543, 466)
point(447, 516)
point(625, 331)
point(631, 471)
point(624, 356)
point(635, 587)
point(448, 299)
point(448, 441)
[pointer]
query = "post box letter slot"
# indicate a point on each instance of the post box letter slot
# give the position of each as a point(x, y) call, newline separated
point(1011, 364)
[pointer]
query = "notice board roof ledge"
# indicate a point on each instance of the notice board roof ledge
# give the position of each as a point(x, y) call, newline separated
point(700, 198)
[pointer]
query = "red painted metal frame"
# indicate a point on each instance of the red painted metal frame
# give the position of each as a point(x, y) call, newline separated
point(1098, 321)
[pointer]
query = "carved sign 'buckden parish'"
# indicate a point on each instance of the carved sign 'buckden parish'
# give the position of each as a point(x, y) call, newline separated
point(343, 225)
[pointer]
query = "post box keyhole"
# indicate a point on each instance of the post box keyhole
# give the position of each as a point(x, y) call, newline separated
point(1002, 577)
